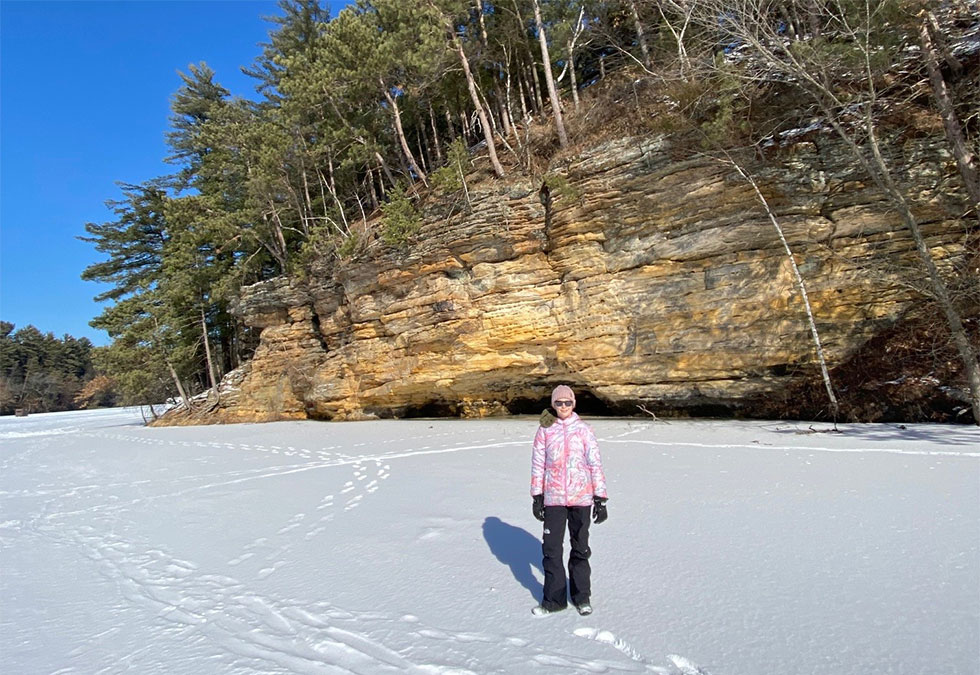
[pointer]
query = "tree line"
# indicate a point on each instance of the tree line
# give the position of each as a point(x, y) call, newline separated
point(369, 109)
point(42, 373)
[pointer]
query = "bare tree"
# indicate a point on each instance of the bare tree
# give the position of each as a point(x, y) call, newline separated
point(640, 36)
point(800, 285)
point(684, 9)
point(549, 77)
point(966, 160)
point(400, 132)
point(207, 354)
point(853, 56)
point(498, 168)
point(570, 61)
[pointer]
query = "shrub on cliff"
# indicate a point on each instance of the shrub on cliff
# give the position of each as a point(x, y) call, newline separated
point(400, 218)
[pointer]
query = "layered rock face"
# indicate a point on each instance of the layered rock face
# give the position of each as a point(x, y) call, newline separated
point(656, 280)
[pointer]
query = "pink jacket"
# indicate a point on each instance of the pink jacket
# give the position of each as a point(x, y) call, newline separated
point(565, 464)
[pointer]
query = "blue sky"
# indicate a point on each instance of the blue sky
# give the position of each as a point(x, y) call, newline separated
point(85, 90)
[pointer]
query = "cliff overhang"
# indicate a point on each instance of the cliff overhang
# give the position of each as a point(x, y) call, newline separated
point(657, 284)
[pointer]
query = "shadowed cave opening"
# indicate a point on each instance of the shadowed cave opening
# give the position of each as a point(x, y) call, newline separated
point(503, 401)
point(586, 404)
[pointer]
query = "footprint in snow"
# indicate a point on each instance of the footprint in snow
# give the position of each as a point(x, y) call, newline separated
point(567, 664)
point(268, 571)
point(606, 637)
point(686, 666)
point(473, 637)
point(178, 571)
point(240, 559)
point(431, 533)
point(314, 532)
point(434, 634)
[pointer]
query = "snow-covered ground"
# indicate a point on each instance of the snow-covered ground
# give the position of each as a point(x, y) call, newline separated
point(736, 548)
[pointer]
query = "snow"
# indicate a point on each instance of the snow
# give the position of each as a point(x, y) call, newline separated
point(732, 548)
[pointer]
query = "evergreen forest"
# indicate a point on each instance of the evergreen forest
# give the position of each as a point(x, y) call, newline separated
point(362, 113)
point(42, 373)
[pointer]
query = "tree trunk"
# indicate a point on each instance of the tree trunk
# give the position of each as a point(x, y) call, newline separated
point(522, 96)
point(640, 37)
point(372, 189)
point(207, 356)
point(535, 85)
point(280, 235)
point(227, 351)
point(549, 78)
point(790, 24)
point(236, 346)
point(537, 102)
point(331, 184)
point(308, 203)
point(400, 132)
point(184, 401)
point(939, 42)
point(813, 17)
point(502, 109)
point(451, 126)
point(387, 171)
point(507, 94)
point(814, 334)
point(966, 161)
point(478, 5)
point(332, 189)
point(498, 169)
point(275, 247)
point(422, 143)
point(571, 73)
point(435, 134)
point(487, 108)
point(682, 57)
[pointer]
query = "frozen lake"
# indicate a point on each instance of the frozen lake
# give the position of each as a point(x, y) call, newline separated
point(732, 548)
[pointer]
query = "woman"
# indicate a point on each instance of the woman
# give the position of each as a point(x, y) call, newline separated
point(566, 483)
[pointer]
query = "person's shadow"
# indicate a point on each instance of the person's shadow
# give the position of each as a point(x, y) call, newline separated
point(518, 549)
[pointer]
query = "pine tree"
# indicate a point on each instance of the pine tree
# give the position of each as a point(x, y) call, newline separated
point(192, 106)
point(298, 31)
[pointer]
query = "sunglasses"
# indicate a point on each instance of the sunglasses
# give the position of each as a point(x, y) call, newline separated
point(563, 404)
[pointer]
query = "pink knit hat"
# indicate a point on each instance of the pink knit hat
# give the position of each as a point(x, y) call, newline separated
point(563, 393)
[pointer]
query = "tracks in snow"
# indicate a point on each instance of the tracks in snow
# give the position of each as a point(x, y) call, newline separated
point(257, 630)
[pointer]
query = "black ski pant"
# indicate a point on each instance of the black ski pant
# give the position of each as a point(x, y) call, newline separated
point(579, 571)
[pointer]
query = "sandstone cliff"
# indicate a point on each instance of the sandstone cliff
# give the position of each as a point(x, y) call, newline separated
point(659, 281)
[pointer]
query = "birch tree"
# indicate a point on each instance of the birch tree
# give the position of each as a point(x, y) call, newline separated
point(549, 77)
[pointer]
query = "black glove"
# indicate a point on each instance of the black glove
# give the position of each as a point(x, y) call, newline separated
point(537, 507)
point(547, 419)
point(599, 513)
